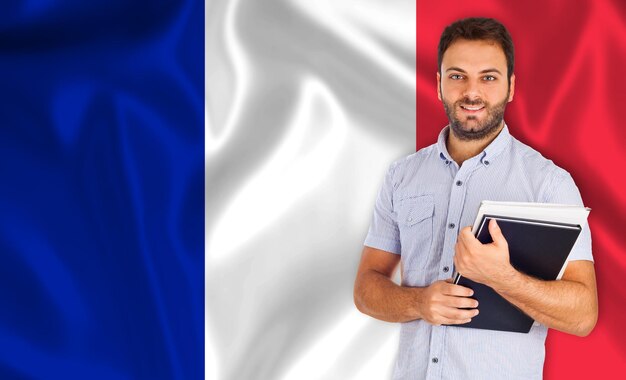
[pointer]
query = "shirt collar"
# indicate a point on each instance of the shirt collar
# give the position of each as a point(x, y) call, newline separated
point(486, 156)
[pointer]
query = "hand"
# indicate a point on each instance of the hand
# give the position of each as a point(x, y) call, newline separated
point(442, 303)
point(484, 263)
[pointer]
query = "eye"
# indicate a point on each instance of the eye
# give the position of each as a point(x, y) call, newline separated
point(489, 78)
point(456, 76)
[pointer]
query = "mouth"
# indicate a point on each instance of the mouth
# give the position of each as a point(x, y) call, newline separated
point(472, 109)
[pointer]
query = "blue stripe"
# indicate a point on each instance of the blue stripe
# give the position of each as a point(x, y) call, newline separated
point(102, 196)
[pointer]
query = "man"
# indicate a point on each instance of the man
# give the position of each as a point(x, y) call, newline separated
point(425, 200)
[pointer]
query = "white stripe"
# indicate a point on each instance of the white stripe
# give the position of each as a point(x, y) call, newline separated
point(305, 108)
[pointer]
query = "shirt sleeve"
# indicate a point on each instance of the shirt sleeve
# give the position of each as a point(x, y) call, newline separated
point(566, 192)
point(383, 233)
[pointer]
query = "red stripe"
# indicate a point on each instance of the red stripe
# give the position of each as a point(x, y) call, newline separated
point(570, 95)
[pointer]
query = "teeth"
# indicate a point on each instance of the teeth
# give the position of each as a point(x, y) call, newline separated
point(472, 108)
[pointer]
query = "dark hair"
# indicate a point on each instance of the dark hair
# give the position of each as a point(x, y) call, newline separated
point(478, 28)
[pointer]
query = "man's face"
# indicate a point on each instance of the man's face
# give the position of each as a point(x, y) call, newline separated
point(473, 87)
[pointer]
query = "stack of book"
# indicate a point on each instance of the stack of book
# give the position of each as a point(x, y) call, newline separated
point(540, 237)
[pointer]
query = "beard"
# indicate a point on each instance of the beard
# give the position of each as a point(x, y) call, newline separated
point(472, 128)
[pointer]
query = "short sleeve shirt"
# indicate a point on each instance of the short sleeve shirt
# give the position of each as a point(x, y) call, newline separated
point(425, 200)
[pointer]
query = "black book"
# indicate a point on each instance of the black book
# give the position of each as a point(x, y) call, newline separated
point(536, 248)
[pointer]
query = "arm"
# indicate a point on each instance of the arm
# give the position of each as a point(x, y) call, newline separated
point(375, 294)
point(569, 305)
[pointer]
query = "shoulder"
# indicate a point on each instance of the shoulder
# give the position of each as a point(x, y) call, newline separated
point(535, 161)
point(540, 170)
point(417, 158)
point(409, 165)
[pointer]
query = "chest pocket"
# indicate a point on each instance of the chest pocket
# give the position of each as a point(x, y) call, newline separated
point(415, 222)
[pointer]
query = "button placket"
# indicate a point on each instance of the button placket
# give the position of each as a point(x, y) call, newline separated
point(455, 205)
point(454, 195)
point(436, 351)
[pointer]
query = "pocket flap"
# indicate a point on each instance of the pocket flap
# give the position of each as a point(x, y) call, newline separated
point(420, 208)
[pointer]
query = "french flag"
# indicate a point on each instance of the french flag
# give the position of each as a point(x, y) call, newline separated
point(186, 185)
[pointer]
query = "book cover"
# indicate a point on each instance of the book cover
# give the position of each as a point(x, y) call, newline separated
point(536, 248)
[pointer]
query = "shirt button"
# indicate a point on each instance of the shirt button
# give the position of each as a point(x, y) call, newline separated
point(486, 162)
point(435, 360)
point(447, 162)
point(451, 225)
point(410, 219)
point(459, 183)
point(446, 269)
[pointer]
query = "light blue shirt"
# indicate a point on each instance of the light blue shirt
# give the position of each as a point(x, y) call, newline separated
point(424, 201)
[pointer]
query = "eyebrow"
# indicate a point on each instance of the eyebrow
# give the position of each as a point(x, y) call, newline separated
point(490, 70)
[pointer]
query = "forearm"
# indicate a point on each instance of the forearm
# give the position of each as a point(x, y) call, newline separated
point(567, 306)
point(379, 297)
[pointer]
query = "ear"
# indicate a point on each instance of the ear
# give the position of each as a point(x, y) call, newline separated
point(512, 88)
point(438, 85)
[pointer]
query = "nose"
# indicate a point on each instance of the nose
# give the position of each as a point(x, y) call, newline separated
point(471, 91)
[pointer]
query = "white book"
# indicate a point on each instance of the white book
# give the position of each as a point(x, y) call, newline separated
point(545, 212)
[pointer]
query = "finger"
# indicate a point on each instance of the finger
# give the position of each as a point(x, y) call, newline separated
point(464, 233)
point(461, 302)
point(455, 260)
point(459, 248)
point(454, 314)
point(458, 268)
point(450, 322)
point(496, 234)
point(457, 290)
point(467, 238)
point(460, 253)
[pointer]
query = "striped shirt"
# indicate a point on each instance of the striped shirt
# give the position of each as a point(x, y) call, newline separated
point(426, 198)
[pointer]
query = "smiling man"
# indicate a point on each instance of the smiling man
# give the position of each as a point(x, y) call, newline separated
point(428, 197)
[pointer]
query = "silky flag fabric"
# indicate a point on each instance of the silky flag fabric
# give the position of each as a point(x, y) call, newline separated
point(568, 100)
point(102, 196)
point(275, 301)
point(186, 186)
point(308, 102)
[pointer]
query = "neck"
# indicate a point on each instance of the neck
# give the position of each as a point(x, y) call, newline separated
point(461, 150)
